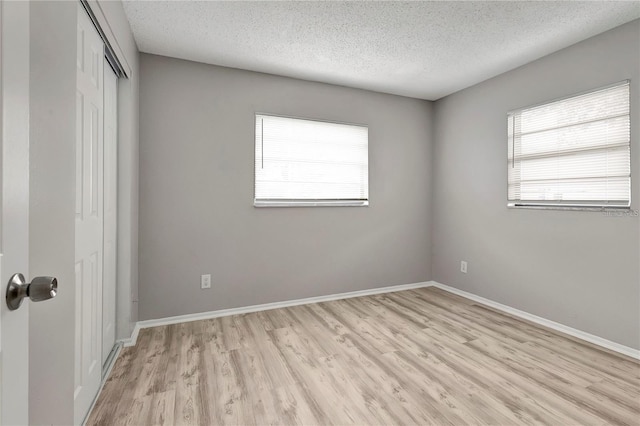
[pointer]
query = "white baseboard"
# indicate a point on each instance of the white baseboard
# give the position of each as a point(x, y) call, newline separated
point(263, 307)
point(130, 341)
point(616, 347)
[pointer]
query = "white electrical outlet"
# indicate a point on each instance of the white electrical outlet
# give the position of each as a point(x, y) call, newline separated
point(463, 266)
point(205, 281)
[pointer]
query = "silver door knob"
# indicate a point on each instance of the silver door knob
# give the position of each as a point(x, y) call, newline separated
point(41, 288)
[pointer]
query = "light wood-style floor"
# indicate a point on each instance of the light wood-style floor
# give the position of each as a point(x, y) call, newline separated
point(413, 357)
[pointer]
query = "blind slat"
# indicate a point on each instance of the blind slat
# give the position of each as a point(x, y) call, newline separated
point(308, 160)
point(572, 150)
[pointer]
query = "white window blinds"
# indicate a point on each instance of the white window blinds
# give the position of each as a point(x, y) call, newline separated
point(574, 151)
point(307, 162)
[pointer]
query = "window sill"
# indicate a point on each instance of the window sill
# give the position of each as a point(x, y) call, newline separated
point(571, 207)
point(311, 203)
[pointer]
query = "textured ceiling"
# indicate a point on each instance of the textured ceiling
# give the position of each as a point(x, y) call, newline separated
point(420, 49)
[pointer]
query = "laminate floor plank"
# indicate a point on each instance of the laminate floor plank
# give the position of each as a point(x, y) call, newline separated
point(325, 318)
point(457, 319)
point(128, 385)
point(422, 406)
point(359, 325)
point(292, 408)
point(421, 356)
point(618, 368)
point(533, 403)
point(317, 385)
point(598, 405)
point(495, 326)
point(162, 408)
point(516, 356)
point(452, 328)
point(186, 409)
point(458, 362)
point(617, 394)
point(391, 383)
point(454, 394)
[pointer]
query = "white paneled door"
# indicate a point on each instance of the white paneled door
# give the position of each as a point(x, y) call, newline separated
point(110, 211)
point(89, 214)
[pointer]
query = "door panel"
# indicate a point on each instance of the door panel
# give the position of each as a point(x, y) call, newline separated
point(14, 206)
point(89, 214)
point(110, 211)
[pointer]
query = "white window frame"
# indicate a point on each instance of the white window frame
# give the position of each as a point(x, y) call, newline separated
point(587, 205)
point(306, 202)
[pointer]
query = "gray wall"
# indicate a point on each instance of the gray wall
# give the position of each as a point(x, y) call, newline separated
point(196, 193)
point(577, 268)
